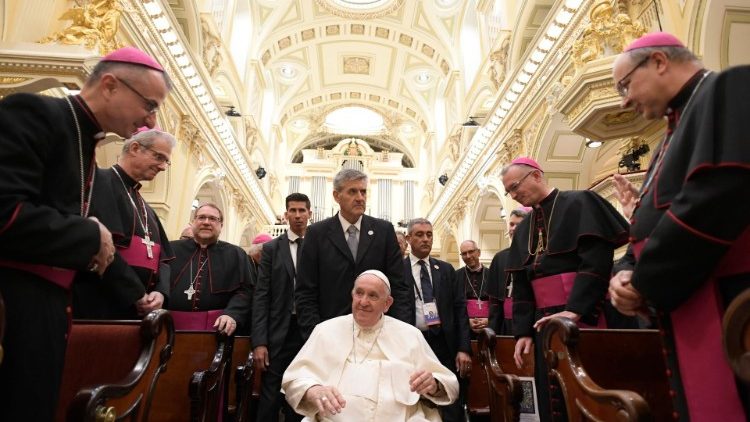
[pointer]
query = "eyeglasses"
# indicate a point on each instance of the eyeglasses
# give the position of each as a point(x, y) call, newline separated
point(161, 158)
point(622, 85)
point(209, 218)
point(515, 185)
point(151, 105)
point(469, 252)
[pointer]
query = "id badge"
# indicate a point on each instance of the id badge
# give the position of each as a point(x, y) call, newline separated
point(431, 316)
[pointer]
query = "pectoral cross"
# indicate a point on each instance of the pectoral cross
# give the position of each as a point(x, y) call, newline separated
point(190, 292)
point(149, 243)
point(479, 303)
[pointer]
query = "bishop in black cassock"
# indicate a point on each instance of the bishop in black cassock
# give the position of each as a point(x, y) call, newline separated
point(690, 234)
point(211, 284)
point(47, 172)
point(501, 285)
point(137, 282)
point(560, 260)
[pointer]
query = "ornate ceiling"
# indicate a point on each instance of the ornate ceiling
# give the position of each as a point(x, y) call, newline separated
point(388, 56)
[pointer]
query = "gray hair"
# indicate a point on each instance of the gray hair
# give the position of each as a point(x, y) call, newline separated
point(347, 175)
point(147, 139)
point(470, 241)
point(128, 70)
point(519, 213)
point(255, 248)
point(511, 165)
point(675, 54)
point(414, 221)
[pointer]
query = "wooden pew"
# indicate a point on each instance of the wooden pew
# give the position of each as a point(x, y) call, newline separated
point(504, 391)
point(608, 374)
point(243, 378)
point(181, 396)
point(209, 389)
point(736, 335)
point(111, 368)
point(477, 400)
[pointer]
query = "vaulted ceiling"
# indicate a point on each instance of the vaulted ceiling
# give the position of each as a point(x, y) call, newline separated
point(389, 56)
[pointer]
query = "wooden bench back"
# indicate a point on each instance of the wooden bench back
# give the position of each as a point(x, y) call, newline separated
point(194, 351)
point(243, 380)
point(608, 374)
point(736, 335)
point(504, 388)
point(111, 367)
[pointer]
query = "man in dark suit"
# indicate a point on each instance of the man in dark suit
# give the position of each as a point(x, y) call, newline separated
point(438, 307)
point(276, 334)
point(339, 248)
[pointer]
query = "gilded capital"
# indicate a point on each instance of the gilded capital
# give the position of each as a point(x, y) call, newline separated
point(608, 33)
point(95, 24)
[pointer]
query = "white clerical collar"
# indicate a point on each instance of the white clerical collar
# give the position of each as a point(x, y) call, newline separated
point(345, 224)
point(292, 235)
point(414, 260)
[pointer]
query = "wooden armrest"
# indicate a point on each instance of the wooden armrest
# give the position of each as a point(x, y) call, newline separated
point(736, 335)
point(505, 392)
point(585, 399)
point(131, 397)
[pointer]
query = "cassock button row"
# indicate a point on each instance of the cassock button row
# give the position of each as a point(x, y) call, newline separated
point(669, 373)
point(664, 351)
point(672, 393)
point(675, 415)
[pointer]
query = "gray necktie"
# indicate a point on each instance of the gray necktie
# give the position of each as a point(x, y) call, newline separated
point(352, 240)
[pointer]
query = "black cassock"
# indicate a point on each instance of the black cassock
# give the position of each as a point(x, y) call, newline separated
point(219, 276)
point(41, 227)
point(691, 232)
point(499, 291)
point(133, 272)
point(579, 232)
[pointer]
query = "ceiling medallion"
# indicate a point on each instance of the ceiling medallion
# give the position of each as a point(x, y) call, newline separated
point(360, 9)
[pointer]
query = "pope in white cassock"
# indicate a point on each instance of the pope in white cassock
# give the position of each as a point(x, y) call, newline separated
point(367, 366)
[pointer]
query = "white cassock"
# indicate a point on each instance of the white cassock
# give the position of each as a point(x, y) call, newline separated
point(374, 380)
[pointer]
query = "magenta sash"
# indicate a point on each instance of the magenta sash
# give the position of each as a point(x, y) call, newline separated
point(136, 255)
point(63, 277)
point(707, 379)
point(508, 308)
point(478, 309)
point(554, 290)
point(195, 321)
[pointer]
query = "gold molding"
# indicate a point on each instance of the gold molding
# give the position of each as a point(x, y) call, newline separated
point(12, 80)
point(94, 24)
point(347, 13)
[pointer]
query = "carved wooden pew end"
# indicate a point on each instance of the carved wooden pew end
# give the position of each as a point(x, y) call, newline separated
point(736, 330)
point(505, 391)
point(111, 367)
point(620, 359)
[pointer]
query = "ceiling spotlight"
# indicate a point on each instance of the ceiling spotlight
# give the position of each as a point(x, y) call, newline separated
point(443, 179)
point(232, 112)
point(261, 173)
point(591, 143)
point(471, 122)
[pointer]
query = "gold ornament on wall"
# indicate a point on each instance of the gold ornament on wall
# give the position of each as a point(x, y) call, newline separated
point(211, 47)
point(94, 24)
point(499, 60)
point(607, 34)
